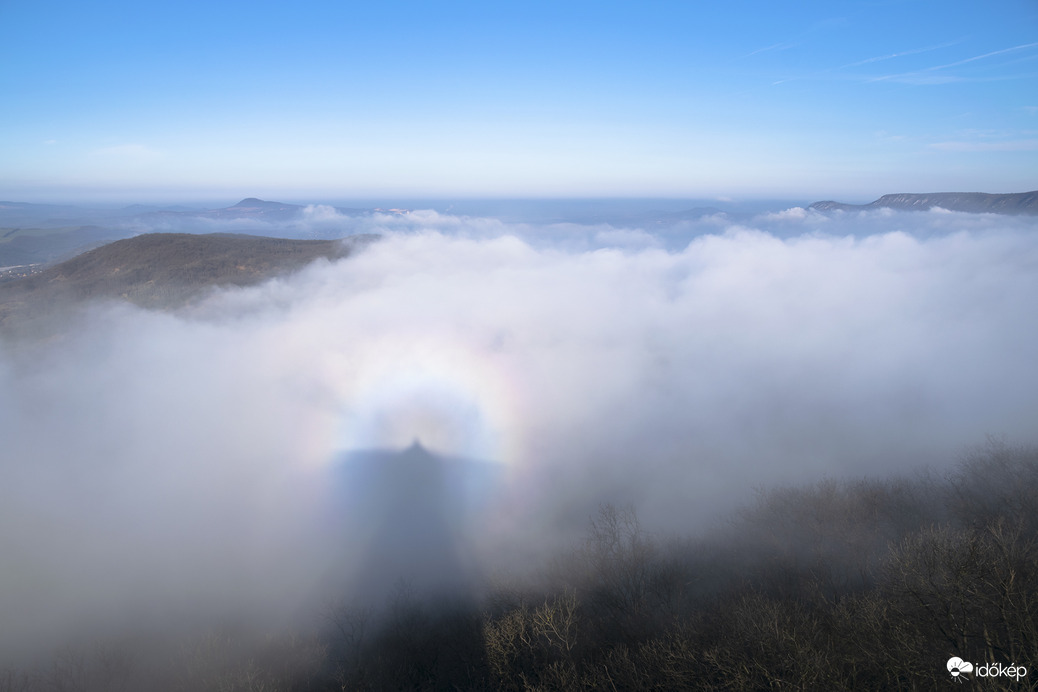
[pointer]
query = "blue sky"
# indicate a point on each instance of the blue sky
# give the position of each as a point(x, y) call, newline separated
point(849, 100)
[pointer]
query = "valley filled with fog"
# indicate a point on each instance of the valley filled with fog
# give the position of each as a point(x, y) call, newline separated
point(225, 460)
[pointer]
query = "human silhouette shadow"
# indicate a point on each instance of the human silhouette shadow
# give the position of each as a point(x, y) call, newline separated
point(406, 517)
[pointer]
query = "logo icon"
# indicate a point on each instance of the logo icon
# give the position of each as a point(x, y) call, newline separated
point(956, 666)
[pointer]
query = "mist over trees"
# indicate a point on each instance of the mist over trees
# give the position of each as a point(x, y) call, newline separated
point(867, 584)
point(214, 497)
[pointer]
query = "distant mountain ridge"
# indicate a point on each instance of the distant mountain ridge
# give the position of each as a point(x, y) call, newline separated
point(970, 202)
point(250, 208)
point(36, 234)
point(256, 202)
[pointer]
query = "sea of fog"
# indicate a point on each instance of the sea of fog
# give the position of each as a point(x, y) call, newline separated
point(159, 464)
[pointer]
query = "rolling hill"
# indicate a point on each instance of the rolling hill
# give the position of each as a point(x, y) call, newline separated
point(162, 271)
point(38, 234)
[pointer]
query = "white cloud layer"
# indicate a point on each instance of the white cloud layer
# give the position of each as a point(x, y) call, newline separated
point(153, 460)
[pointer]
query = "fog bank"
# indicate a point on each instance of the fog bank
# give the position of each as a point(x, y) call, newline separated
point(157, 465)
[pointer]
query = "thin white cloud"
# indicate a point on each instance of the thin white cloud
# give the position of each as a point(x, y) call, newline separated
point(899, 54)
point(834, 72)
point(927, 75)
point(794, 214)
point(785, 45)
point(984, 56)
point(988, 146)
